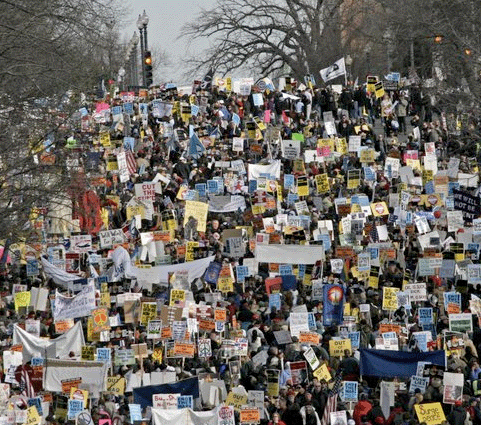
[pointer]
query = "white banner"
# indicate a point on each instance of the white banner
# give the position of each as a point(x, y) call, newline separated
point(160, 274)
point(289, 254)
point(93, 374)
point(184, 416)
point(72, 307)
point(60, 347)
point(273, 169)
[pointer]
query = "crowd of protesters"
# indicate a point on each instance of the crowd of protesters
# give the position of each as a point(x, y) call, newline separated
point(184, 141)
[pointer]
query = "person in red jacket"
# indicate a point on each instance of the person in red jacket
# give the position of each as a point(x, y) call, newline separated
point(276, 420)
point(362, 408)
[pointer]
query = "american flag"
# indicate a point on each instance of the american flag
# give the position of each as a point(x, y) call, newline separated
point(131, 163)
point(25, 384)
point(331, 405)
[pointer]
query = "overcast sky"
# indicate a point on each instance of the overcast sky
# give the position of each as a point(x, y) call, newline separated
point(166, 18)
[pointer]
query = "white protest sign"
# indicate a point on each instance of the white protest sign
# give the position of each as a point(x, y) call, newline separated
point(73, 307)
point(165, 401)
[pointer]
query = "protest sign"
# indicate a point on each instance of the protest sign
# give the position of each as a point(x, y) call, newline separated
point(337, 347)
point(430, 413)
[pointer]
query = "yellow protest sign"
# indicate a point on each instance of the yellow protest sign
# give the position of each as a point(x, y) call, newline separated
point(379, 89)
point(389, 298)
point(198, 211)
point(148, 312)
point(105, 139)
point(22, 299)
point(189, 250)
point(225, 284)
point(100, 317)
point(322, 373)
point(322, 183)
point(341, 146)
point(77, 394)
point(337, 347)
point(88, 352)
point(415, 164)
point(133, 210)
point(430, 413)
point(379, 208)
point(115, 385)
point(105, 299)
point(371, 81)
point(33, 418)
point(177, 297)
point(236, 400)
point(374, 277)
point(258, 209)
point(157, 354)
point(367, 155)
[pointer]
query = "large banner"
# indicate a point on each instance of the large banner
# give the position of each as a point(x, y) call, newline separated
point(391, 364)
point(143, 395)
point(72, 307)
point(184, 416)
point(289, 254)
point(92, 375)
point(273, 169)
point(60, 347)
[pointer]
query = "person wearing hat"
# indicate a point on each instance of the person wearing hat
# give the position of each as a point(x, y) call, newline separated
point(458, 414)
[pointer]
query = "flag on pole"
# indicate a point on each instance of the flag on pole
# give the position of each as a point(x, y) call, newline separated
point(196, 148)
point(131, 163)
point(331, 405)
point(337, 69)
point(23, 378)
point(206, 83)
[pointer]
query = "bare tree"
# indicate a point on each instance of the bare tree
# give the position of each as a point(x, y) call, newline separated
point(297, 36)
point(51, 51)
point(439, 38)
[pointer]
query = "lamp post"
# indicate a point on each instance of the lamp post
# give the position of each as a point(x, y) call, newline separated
point(135, 59)
point(145, 22)
point(140, 26)
point(142, 22)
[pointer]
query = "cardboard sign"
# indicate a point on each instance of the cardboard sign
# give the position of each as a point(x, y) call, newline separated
point(115, 385)
point(430, 413)
point(184, 349)
point(250, 415)
point(389, 298)
point(337, 347)
point(236, 400)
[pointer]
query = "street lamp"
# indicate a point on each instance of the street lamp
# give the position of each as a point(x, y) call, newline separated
point(140, 26)
point(142, 22)
point(145, 22)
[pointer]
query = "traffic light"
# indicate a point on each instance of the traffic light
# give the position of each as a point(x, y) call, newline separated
point(148, 68)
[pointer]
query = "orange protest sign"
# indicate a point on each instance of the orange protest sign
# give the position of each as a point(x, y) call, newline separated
point(311, 338)
point(206, 325)
point(453, 308)
point(68, 384)
point(220, 315)
point(100, 318)
point(166, 333)
point(184, 349)
point(388, 327)
point(250, 415)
